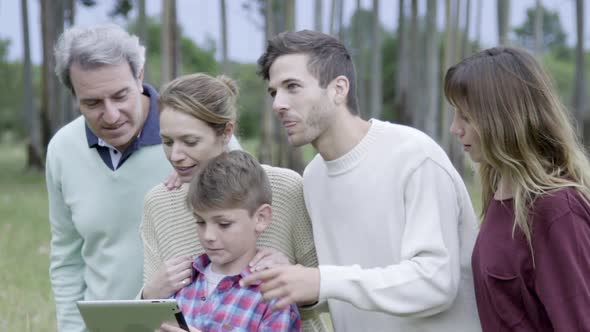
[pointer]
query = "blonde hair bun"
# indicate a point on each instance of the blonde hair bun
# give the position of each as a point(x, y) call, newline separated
point(230, 84)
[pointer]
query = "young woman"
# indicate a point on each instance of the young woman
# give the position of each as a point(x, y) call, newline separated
point(197, 120)
point(531, 261)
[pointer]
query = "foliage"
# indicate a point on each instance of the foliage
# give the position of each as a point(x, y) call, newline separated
point(251, 100)
point(11, 93)
point(193, 58)
point(553, 34)
point(390, 57)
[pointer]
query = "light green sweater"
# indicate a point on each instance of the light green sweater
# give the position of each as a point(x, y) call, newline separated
point(95, 212)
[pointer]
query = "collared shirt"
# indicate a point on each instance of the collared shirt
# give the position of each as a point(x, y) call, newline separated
point(149, 135)
point(231, 307)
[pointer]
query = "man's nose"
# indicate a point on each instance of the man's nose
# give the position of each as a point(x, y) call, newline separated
point(111, 112)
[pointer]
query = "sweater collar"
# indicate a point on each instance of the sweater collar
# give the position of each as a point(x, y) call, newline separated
point(353, 157)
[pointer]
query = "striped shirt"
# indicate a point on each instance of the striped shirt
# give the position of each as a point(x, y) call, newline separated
point(231, 307)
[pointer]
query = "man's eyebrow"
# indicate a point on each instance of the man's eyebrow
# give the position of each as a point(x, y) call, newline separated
point(121, 91)
point(125, 89)
point(284, 82)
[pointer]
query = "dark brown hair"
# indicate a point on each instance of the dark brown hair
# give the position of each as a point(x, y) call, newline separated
point(328, 59)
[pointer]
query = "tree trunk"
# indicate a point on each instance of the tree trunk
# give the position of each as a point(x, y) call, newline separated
point(432, 66)
point(31, 115)
point(318, 22)
point(478, 22)
point(341, 20)
point(401, 95)
point(539, 28)
point(376, 65)
point(142, 34)
point(457, 40)
point(333, 13)
point(52, 18)
point(466, 48)
point(265, 154)
point(359, 54)
point(224, 58)
point(580, 79)
point(169, 40)
point(503, 21)
point(414, 78)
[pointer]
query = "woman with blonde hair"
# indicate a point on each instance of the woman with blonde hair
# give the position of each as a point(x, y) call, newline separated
point(197, 120)
point(531, 261)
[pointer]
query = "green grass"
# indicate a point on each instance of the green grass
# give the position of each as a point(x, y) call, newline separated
point(26, 302)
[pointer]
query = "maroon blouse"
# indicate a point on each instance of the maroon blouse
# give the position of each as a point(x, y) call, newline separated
point(511, 294)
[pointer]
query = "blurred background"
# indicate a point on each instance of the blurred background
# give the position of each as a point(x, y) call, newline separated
point(401, 50)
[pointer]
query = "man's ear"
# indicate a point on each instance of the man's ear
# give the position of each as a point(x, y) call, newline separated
point(340, 86)
point(263, 217)
point(140, 75)
point(228, 131)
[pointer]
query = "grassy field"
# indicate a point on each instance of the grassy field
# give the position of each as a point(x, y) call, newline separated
point(26, 302)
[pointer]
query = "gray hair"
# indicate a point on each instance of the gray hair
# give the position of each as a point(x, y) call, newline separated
point(94, 47)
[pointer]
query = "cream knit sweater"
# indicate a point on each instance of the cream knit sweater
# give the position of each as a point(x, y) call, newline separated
point(169, 230)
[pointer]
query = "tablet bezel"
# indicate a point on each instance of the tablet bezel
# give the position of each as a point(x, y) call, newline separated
point(123, 315)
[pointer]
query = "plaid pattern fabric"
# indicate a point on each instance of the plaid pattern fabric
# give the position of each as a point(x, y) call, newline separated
point(231, 307)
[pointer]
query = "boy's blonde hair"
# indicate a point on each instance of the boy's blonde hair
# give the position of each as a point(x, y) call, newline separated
point(527, 135)
point(232, 180)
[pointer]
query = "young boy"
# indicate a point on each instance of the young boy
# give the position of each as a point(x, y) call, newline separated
point(231, 199)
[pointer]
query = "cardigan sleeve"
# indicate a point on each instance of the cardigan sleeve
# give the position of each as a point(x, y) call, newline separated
point(426, 279)
point(66, 268)
point(151, 253)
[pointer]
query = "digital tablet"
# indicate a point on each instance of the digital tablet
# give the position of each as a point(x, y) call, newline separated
point(130, 315)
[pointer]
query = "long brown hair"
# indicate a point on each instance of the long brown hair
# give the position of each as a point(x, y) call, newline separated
point(527, 136)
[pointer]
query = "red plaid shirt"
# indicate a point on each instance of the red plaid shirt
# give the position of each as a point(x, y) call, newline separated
point(231, 307)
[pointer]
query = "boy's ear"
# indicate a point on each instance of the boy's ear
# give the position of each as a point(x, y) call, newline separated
point(263, 217)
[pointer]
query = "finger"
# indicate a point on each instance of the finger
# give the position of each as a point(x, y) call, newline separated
point(263, 264)
point(282, 303)
point(180, 267)
point(260, 276)
point(168, 182)
point(261, 253)
point(275, 293)
point(177, 183)
point(167, 327)
point(177, 260)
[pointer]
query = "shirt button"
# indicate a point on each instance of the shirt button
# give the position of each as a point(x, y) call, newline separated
point(203, 298)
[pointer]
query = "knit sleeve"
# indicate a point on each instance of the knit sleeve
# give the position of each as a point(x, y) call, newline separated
point(426, 279)
point(302, 233)
point(151, 253)
point(66, 267)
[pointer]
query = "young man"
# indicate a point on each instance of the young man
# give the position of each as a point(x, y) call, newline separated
point(230, 199)
point(393, 223)
point(99, 168)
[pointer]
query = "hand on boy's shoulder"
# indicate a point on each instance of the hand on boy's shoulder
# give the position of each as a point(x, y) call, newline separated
point(266, 258)
point(291, 284)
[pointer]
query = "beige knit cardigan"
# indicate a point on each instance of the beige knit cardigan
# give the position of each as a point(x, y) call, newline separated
point(168, 230)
